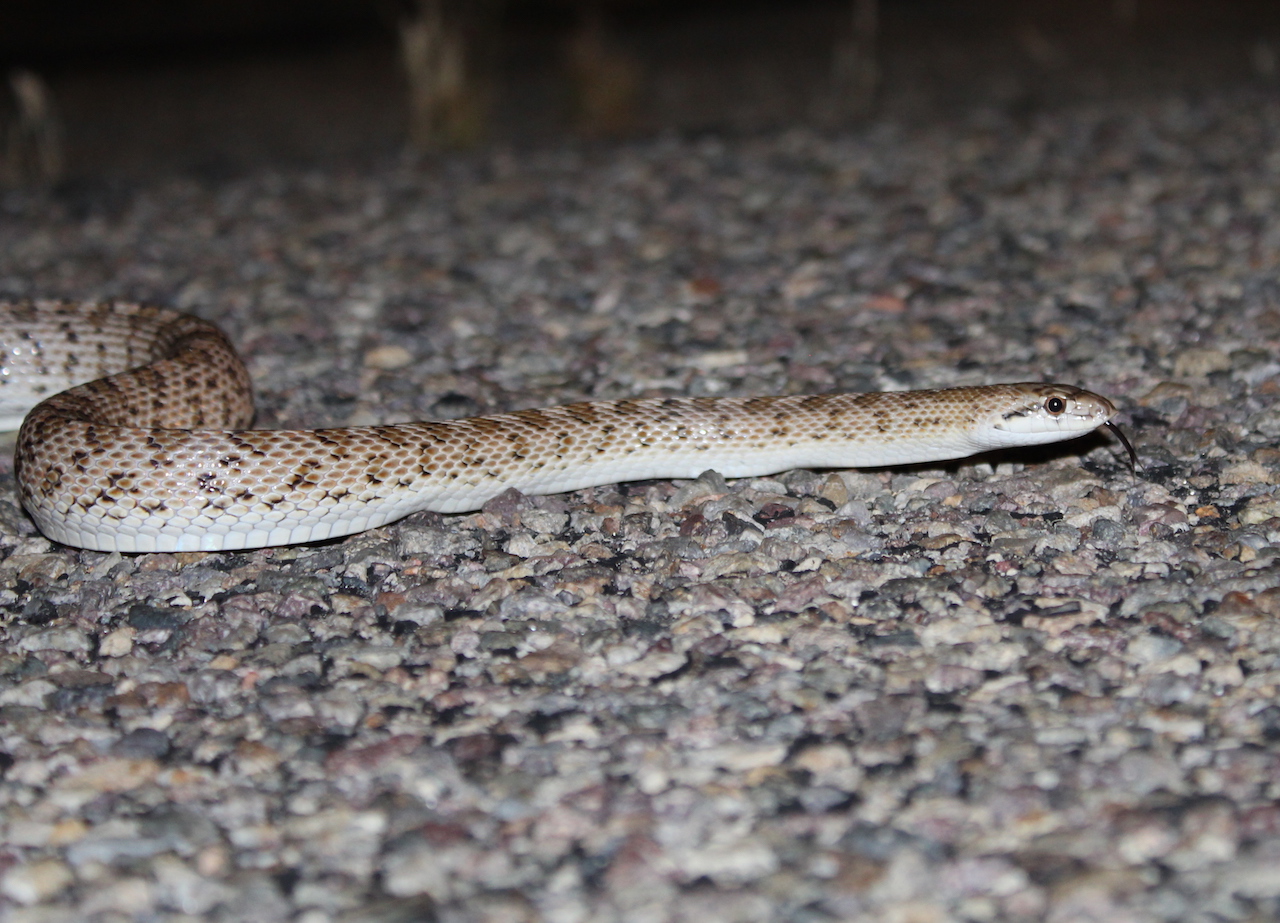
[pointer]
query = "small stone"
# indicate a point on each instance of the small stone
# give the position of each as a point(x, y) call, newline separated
point(117, 643)
point(67, 640)
point(1151, 648)
point(190, 892)
point(530, 604)
point(358, 760)
point(388, 358)
point(821, 759)
point(38, 881)
point(654, 665)
point(1246, 472)
point(834, 490)
point(434, 864)
point(707, 484)
point(254, 758)
point(380, 657)
point(111, 775)
point(1169, 397)
point(421, 538)
point(30, 694)
point(522, 545)
point(1197, 363)
point(131, 897)
point(544, 522)
point(1259, 510)
point(744, 861)
point(1107, 532)
point(142, 743)
point(741, 757)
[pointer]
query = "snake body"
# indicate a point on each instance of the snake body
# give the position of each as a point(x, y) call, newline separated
point(139, 439)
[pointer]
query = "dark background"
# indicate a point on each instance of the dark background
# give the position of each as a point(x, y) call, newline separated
point(219, 87)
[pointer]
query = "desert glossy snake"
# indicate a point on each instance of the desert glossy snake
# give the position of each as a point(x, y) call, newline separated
point(139, 439)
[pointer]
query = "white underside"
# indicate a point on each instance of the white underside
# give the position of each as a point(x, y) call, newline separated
point(284, 524)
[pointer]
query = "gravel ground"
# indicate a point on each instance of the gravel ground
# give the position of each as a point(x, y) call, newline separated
point(1027, 687)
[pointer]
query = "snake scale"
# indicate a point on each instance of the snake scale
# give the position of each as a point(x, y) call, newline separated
point(138, 439)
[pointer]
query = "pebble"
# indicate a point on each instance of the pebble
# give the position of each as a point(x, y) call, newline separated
point(36, 882)
point(142, 743)
point(67, 640)
point(388, 358)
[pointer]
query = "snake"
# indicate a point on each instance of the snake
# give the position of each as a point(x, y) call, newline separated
point(135, 437)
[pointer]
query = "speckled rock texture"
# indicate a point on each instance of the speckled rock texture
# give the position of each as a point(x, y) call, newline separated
point(1028, 687)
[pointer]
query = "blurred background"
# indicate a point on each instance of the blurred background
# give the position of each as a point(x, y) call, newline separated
point(130, 88)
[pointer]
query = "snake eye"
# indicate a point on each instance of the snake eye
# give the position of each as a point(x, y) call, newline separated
point(1055, 405)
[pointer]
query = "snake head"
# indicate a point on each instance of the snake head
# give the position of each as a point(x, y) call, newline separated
point(1036, 413)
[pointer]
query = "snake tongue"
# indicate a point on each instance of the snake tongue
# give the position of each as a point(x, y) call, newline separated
point(1134, 464)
